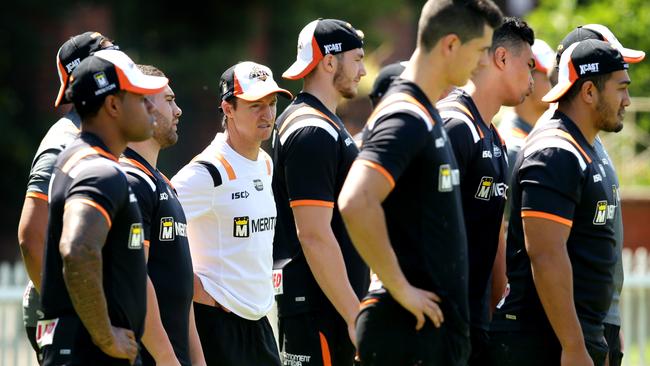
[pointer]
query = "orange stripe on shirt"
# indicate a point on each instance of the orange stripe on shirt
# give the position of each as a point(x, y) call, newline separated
point(94, 204)
point(38, 195)
point(147, 243)
point(518, 132)
point(297, 203)
point(325, 350)
point(229, 170)
point(568, 136)
point(380, 169)
point(367, 302)
point(547, 216)
point(138, 165)
point(268, 166)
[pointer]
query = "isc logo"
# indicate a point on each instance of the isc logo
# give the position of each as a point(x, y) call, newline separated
point(241, 227)
point(484, 190)
point(166, 229)
point(239, 195)
point(136, 237)
point(601, 213)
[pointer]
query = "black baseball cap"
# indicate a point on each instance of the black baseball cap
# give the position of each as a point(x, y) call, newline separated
point(599, 32)
point(106, 72)
point(321, 37)
point(249, 81)
point(386, 76)
point(70, 55)
point(583, 59)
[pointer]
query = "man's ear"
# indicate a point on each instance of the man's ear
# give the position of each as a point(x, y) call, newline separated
point(499, 57)
point(329, 63)
point(449, 44)
point(589, 92)
point(113, 105)
point(227, 109)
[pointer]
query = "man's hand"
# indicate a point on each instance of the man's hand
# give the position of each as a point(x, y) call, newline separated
point(579, 357)
point(121, 345)
point(420, 303)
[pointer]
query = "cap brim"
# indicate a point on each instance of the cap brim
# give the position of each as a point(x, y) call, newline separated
point(632, 56)
point(557, 92)
point(63, 78)
point(299, 69)
point(257, 95)
point(140, 83)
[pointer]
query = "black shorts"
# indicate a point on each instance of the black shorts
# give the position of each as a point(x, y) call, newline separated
point(613, 338)
point(386, 335)
point(318, 338)
point(480, 339)
point(72, 346)
point(229, 340)
point(31, 335)
point(532, 348)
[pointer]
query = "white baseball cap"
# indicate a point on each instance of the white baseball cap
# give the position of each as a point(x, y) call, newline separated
point(249, 81)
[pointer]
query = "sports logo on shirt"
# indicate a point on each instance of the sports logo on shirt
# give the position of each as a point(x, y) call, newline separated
point(136, 237)
point(166, 229)
point(241, 228)
point(601, 213)
point(496, 151)
point(447, 178)
point(258, 184)
point(484, 190)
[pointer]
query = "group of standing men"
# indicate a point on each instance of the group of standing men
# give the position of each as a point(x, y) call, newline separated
point(189, 267)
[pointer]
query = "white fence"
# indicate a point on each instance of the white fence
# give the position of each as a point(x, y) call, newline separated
point(635, 307)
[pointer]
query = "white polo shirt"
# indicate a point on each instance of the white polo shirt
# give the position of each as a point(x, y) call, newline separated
point(230, 210)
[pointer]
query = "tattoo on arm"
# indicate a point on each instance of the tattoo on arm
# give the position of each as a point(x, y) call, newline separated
point(82, 238)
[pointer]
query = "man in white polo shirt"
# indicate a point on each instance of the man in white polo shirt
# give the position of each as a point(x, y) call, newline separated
point(228, 201)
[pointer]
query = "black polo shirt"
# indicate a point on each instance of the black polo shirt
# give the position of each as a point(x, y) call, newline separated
point(514, 131)
point(406, 142)
point(558, 176)
point(170, 263)
point(312, 155)
point(86, 171)
point(482, 161)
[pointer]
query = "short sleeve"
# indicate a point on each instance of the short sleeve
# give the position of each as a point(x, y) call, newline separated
point(101, 186)
point(146, 196)
point(394, 142)
point(462, 142)
point(195, 188)
point(551, 182)
point(41, 173)
point(311, 159)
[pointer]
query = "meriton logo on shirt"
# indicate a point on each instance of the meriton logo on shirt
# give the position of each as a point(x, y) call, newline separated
point(243, 226)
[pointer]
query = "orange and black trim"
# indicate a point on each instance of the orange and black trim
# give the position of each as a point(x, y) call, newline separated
point(76, 157)
point(401, 97)
point(319, 203)
point(305, 111)
point(368, 302)
point(94, 204)
point(464, 110)
point(325, 350)
point(547, 216)
point(37, 195)
point(226, 165)
point(138, 165)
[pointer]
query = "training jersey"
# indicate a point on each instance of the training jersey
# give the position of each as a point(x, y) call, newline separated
point(312, 154)
point(560, 177)
point(60, 134)
point(169, 264)
point(514, 131)
point(231, 218)
point(406, 143)
point(482, 161)
point(87, 172)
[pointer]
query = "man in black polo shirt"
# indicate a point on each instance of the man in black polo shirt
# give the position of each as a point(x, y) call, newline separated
point(322, 276)
point(401, 200)
point(170, 336)
point(94, 275)
point(561, 237)
point(483, 163)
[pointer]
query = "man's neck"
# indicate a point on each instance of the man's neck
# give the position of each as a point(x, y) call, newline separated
point(582, 118)
point(324, 91)
point(244, 148)
point(110, 136)
point(148, 149)
point(422, 70)
point(528, 113)
point(487, 101)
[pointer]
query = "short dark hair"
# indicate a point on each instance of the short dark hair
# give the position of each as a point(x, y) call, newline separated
point(91, 107)
point(464, 18)
point(224, 119)
point(598, 80)
point(511, 34)
point(150, 70)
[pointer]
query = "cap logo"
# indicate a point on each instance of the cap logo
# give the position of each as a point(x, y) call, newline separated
point(593, 67)
point(70, 66)
point(333, 47)
point(258, 73)
point(100, 79)
point(224, 87)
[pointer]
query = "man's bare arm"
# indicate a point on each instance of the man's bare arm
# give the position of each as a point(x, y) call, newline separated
point(360, 204)
point(31, 237)
point(83, 235)
point(553, 276)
